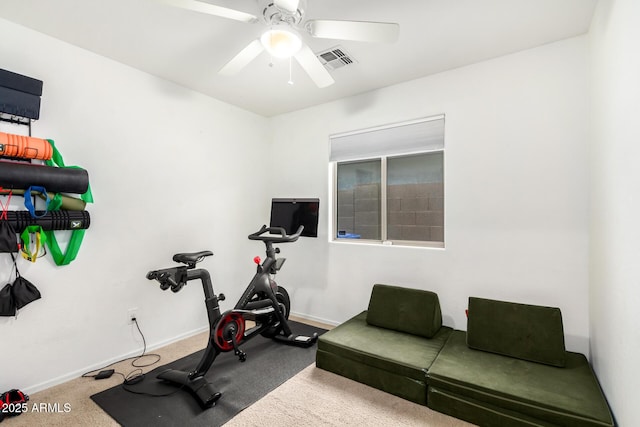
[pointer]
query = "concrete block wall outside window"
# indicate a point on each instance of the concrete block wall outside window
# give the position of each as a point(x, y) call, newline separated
point(414, 212)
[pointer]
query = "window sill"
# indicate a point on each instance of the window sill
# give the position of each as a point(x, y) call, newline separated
point(389, 243)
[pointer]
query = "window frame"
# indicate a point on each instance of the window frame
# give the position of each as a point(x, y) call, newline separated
point(385, 241)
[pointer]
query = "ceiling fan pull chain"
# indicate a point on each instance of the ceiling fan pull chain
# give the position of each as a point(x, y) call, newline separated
point(290, 73)
point(271, 43)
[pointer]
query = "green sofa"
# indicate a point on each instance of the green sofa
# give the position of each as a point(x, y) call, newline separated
point(391, 345)
point(511, 369)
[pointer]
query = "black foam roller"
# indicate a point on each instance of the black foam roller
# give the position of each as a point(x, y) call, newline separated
point(52, 220)
point(56, 180)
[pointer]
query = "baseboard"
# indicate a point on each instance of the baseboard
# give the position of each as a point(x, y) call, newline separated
point(313, 320)
point(301, 317)
point(75, 374)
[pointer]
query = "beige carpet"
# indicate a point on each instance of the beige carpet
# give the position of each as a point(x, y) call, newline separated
point(314, 397)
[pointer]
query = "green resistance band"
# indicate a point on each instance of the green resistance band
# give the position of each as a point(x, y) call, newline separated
point(75, 241)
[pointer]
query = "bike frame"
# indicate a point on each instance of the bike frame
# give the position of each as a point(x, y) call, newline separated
point(263, 282)
point(256, 311)
point(224, 326)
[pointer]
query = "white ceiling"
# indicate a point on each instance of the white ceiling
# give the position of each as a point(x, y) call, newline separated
point(189, 48)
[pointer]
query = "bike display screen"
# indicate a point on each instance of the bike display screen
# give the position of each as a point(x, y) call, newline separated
point(292, 213)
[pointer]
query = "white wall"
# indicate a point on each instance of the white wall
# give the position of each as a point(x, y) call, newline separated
point(614, 226)
point(516, 190)
point(171, 170)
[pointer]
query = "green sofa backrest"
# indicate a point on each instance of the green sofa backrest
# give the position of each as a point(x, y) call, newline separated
point(523, 331)
point(413, 311)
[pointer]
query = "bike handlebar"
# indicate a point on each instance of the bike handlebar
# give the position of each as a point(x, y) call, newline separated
point(168, 278)
point(283, 238)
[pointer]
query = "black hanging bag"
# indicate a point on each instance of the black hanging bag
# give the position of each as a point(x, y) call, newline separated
point(8, 238)
point(7, 305)
point(23, 291)
point(15, 296)
point(8, 235)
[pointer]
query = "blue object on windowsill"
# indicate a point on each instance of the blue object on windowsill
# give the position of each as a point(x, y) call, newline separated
point(344, 235)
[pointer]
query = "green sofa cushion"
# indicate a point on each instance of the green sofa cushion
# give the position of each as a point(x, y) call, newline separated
point(413, 311)
point(524, 331)
point(480, 383)
point(414, 390)
point(401, 353)
point(479, 413)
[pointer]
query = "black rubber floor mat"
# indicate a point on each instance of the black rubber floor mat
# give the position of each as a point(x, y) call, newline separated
point(268, 365)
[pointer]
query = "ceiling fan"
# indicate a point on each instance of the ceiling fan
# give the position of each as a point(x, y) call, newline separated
point(285, 22)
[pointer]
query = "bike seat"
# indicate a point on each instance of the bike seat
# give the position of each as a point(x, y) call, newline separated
point(191, 258)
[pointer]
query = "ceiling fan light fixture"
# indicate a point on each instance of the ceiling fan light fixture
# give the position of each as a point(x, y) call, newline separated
point(281, 42)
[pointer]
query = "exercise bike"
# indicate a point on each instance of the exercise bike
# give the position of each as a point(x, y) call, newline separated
point(265, 304)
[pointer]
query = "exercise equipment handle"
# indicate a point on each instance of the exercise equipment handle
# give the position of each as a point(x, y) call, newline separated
point(174, 278)
point(272, 234)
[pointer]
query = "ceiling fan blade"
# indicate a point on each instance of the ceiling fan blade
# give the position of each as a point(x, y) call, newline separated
point(242, 59)
point(314, 68)
point(290, 6)
point(212, 9)
point(381, 32)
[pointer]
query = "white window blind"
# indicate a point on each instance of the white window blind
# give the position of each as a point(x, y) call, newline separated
point(402, 138)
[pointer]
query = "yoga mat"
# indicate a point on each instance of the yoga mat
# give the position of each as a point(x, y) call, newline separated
point(56, 180)
point(268, 365)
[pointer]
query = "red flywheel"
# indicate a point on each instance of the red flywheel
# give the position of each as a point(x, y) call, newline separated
point(230, 324)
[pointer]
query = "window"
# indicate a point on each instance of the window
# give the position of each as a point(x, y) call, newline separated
point(389, 183)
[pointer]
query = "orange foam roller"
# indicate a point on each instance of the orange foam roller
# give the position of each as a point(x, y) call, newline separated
point(26, 147)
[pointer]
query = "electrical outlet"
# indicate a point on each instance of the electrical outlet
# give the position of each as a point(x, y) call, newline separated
point(132, 313)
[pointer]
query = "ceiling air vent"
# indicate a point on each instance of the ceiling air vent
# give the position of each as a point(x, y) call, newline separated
point(335, 58)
